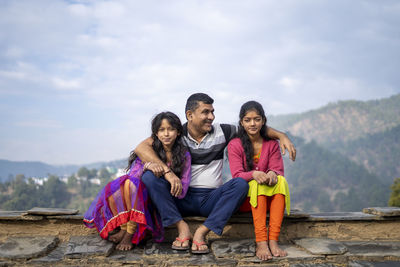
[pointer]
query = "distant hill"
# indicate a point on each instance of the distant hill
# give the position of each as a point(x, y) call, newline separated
point(120, 163)
point(40, 169)
point(321, 180)
point(33, 169)
point(378, 153)
point(342, 121)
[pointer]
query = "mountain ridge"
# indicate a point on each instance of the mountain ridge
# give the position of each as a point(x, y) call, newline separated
point(342, 120)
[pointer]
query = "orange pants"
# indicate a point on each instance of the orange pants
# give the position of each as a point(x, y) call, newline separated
point(276, 206)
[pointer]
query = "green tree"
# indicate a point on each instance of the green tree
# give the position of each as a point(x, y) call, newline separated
point(55, 194)
point(83, 172)
point(395, 195)
point(3, 187)
point(24, 196)
point(92, 174)
point(72, 181)
point(104, 176)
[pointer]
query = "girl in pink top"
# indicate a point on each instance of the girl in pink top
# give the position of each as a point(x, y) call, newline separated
point(257, 159)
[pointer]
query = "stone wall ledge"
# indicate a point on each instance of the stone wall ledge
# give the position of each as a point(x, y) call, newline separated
point(368, 214)
point(55, 237)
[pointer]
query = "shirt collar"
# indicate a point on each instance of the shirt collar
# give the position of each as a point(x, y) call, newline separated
point(186, 132)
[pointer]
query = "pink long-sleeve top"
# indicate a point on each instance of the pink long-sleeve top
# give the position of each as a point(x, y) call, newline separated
point(270, 159)
point(186, 175)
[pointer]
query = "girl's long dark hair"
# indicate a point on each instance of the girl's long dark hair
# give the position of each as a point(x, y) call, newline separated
point(244, 138)
point(178, 149)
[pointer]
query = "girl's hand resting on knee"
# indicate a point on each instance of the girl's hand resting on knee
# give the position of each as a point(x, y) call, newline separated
point(268, 178)
point(273, 178)
point(260, 177)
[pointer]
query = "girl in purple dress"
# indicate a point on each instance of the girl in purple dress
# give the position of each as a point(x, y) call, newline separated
point(124, 202)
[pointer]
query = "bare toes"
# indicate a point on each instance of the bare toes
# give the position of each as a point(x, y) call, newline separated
point(276, 250)
point(262, 251)
point(116, 238)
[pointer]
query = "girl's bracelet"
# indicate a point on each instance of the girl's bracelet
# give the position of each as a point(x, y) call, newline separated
point(167, 171)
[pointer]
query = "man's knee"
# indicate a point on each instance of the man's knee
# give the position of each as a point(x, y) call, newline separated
point(148, 178)
point(241, 185)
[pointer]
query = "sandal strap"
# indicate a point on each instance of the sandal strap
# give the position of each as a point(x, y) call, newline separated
point(183, 239)
point(199, 243)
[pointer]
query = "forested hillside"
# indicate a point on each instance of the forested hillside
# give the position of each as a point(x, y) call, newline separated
point(322, 180)
point(379, 153)
point(342, 121)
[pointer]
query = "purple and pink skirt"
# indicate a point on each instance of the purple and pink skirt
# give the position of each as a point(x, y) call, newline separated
point(109, 209)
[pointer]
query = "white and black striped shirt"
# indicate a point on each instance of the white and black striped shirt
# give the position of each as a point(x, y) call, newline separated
point(207, 156)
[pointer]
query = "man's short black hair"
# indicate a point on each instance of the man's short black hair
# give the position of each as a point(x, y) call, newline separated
point(193, 101)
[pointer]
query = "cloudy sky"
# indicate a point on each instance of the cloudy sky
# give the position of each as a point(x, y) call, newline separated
point(80, 80)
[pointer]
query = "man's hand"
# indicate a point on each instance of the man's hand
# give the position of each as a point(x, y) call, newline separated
point(176, 184)
point(285, 143)
point(156, 168)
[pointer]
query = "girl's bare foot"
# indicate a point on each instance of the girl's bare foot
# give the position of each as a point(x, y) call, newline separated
point(276, 250)
point(126, 242)
point(262, 251)
point(116, 238)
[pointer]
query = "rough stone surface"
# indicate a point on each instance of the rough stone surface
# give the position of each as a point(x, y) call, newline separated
point(153, 248)
point(296, 253)
point(297, 214)
point(383, 211)
point(321, 246)
point(27, 247)
point(263, 264)
point(312, 265)
point(77, 217)
point(18, 216)
point(342, 216)
point(54, 256)
point(293, 252)
point(373, 249)
point(85, 246)
point(226, 248)
point(374, 264)
point(203, 260)
point(128, 257)
point(11, 215)
point(51, 211)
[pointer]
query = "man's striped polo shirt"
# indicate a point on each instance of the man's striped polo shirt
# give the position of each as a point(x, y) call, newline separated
point(207, 156)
